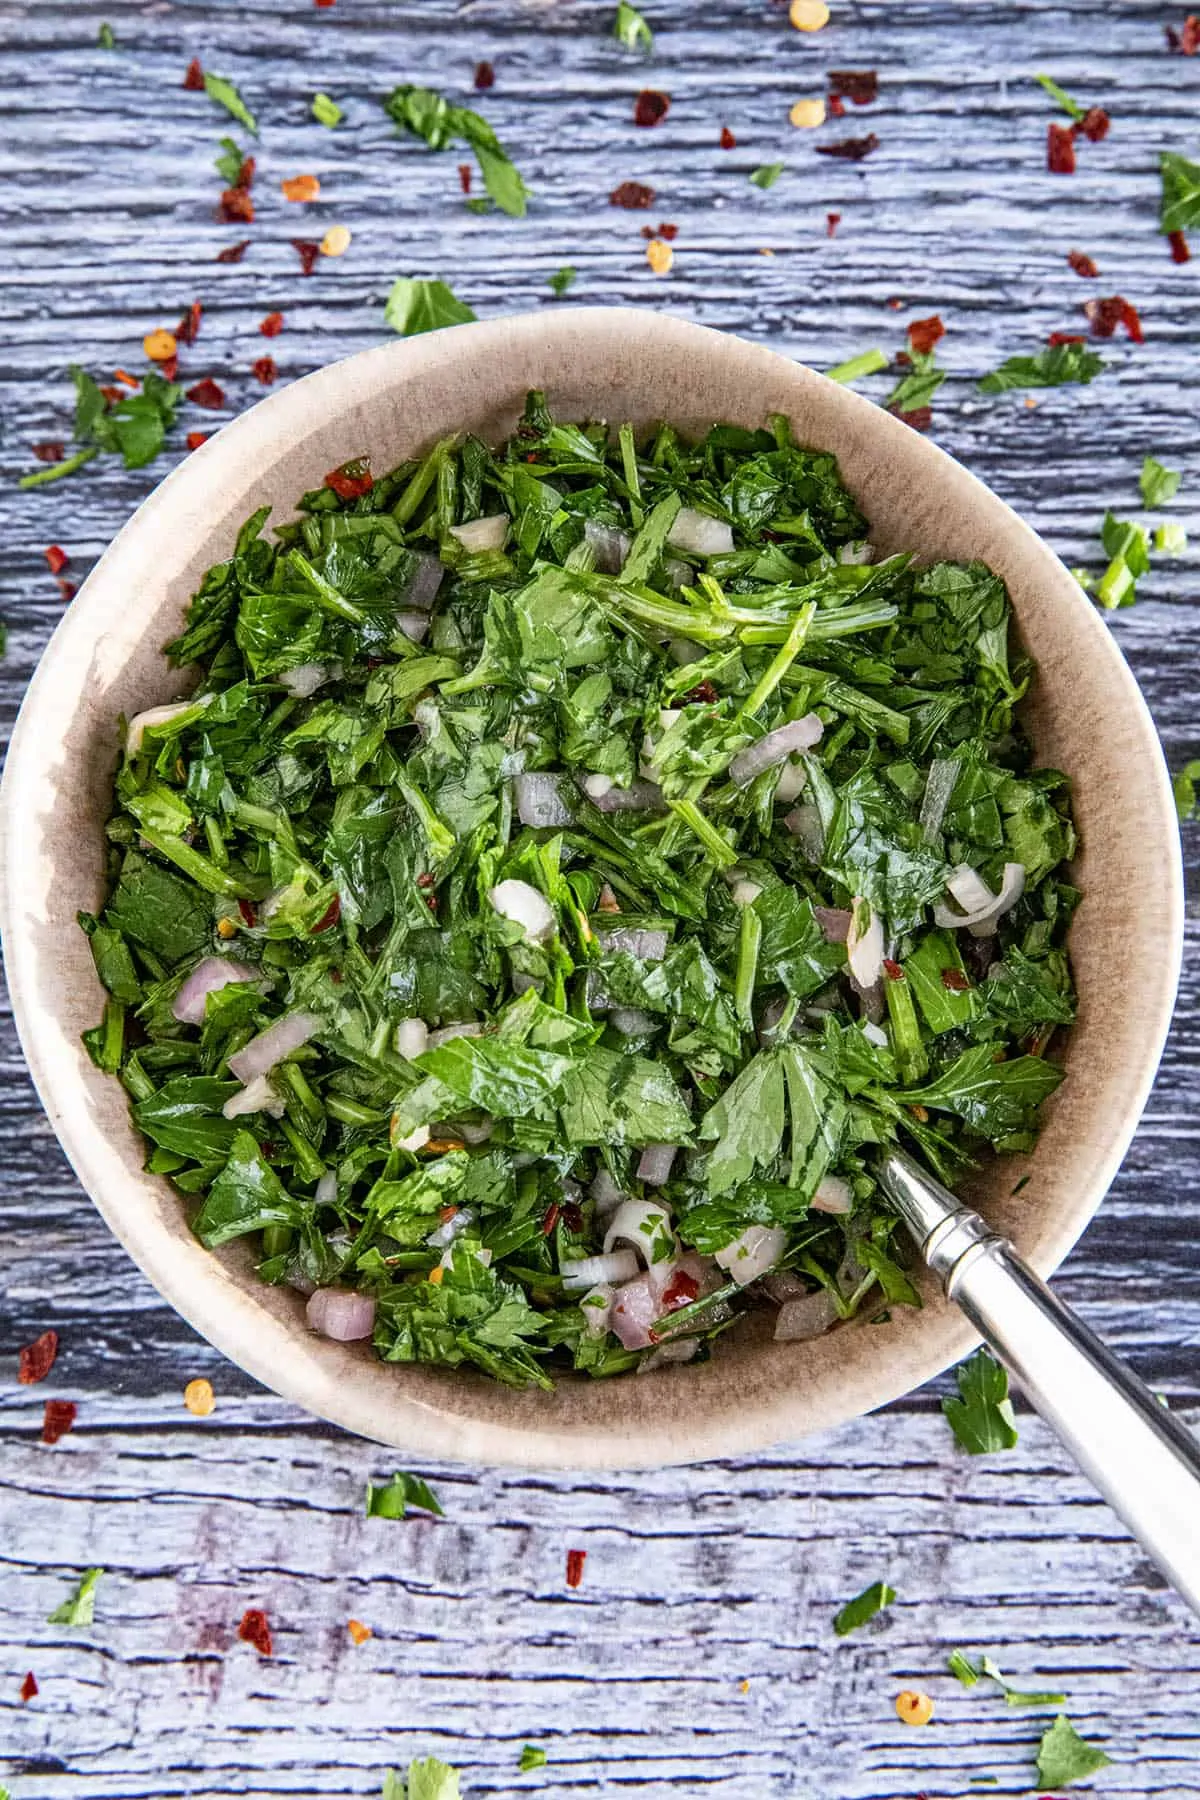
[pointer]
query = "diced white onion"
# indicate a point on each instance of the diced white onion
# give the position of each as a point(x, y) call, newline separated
point(416, 1140)
point(447, 1034)
point(157, 715)
point(257, 1096)
point(539, 799)
point(745, 893)
point(209, 976)
point(856, 553)
point(791, 783)
point(834, 1195)
point(939, 785)
point(810, 1317)
point(753, 1252)
point(473, 1134)
point(261, 1054)
point(609, 546)
point(874, 1034)
point(595, 1307)
point(596, 786)
point(642, 1223)
point(414, 625)
point(304, 680)
point(982, 908)
point(699, 534)
point(804, 823)
point(525, 906)
point(604, 1192)
point(482, 534)
point(412, 1038)
point(326, 1189)
point(784, 741)
point(612, 1268)
point(654, 1164)
point(336, 1313)
point(446, 1234)
point(639, 796)
point(864, 944)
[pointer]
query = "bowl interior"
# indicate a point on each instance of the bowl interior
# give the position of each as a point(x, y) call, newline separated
point(1085, 713)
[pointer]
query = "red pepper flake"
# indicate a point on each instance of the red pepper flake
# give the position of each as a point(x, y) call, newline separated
point(308, 252)
point(56, 557)
point(323, 2)
point(634, 196)
point(681, 1289)
point(1105, 315)
point(329, 917)
point(255, 1630)
point(264, 368)
point(112, 394)
point(485, 76)
point(651, 107)
point(196, 438)
point(54, 452)
point(1180, 253)
point(351, 480)
point(245, 177)
point(1094, 124)
point(920, 419)
point(832, 221)
point(1065, 337)
point(233, 252)
point(247, 910)
point(1082, 265)
point(892, 970)
point(446, 1213)
point(669, 232)
point(188, 328)
point(551, 1218)
point(464, 177)
point(272, 325)
point(236, 206)
point(861, 86)
point(126, 379)
point(836, 108)
point(206, 393)
point(35, 1361)
point(703, 694)
point(424, 880)
point(923, 334)
point(572, 1216)
point(851, 149)
point(194, 79)
point(29, 1687)
point(1060, 149)
point(57, 1420)
point(1188, 40)
point(956, 981)
point(67, 589)
point(728, 141)
point(169, 368)
point(575, 1562)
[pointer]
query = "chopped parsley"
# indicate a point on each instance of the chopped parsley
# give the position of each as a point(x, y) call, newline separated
point(326, 111)
point(917, 387)
point(80, 1607)
point(531, 1757)
point(57, 471)
point(1184, 785)
point(229, 162)
point(981, 1417)
point(430, 116)
point(768, 175)
point(966, 1672)
point(561, 280)
point(415, 306)
point(226, 94)
point(962, 1668)
point(392, 1499)
point(106, 37)
point(1055, 366)
point(1180, 204)
point(1064, 1757)
point(863, 1607)
point(427, 1780)
point(631, 29)
point(1060, 96)
point(869, 362)
point(1157, 484)
point(480, 803)
point(1128, 547)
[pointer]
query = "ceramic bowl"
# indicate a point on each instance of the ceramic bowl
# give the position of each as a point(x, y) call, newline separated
point(1086, 715)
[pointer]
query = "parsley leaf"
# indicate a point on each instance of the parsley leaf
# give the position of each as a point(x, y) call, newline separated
point(430, 116)
point(965, 1671)
point(981, 1418)
point(865, 1606)
point(994, 1098)
point(561, 279)
point(392, 1499)
point(1157, 484)
point(226, 94)
point(1063, 1756)
point(106, 37)
point(428, 1780)
point(1128, 547)
point(415, 306)
point(326, 111)
point(1180, 205)
point(136, 426)
point(229, 162)
point(80, 1607)
point(1054, 366)
point(855, 367)
point(631, 29)
point(767, 175)
point(917, 388)
point(531, 1757)
point(962, 1668)
point(1184, 786)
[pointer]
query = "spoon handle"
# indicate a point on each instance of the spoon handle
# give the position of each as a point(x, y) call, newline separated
point(1144, 1461)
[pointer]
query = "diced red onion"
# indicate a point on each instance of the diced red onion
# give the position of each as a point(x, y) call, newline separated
point(939, 785)
point(864, 944)
point(261, 1054)
point(257, 1096)
point(482, 534)
point(609, 546)
point(639, 796)
point(776, 747)
point(525, 906)
point(453, 1227)
point(809, 1317)
point(426, 580)
point(699, 534)
point(157, 715)
point(326, 1191)
point(337, 1313)
point(804, 823)
point(834, 1195)
point(612, 1268)
point(834, 922)
point(874, 1035)
point(646, 943)
point(539, 799)
point(635, 1308)
point(604, 1192)
point(304, 680)
point(447, 1034)
point(209, 976)
point(642, 1223)
point(675, 1350)
point(412, 1038)
point(871, 999)
point(654, 1164)
point(596, 1306)
point(414, 625)
point(983, 908)
point(753, 1252)
point(631, 1021)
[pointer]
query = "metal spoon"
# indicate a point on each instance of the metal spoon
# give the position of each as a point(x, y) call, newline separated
point(1142, 1459)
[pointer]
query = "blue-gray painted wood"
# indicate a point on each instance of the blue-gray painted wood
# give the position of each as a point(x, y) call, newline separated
point(697, 1580)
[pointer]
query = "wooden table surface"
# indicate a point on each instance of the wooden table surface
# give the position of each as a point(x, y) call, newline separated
point(697, 1657)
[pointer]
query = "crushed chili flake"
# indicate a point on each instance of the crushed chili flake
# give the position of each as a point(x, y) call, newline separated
point(572, 1216)
point(308, 252)
point(1180, 253)
point(51, 452)
point(67, 589)
point(551, 1218)
point(359, 1633)
point(651, 107)
point(851, 149)
point(634, 196)
point(703, 694)
point(836, 108)
point(1105, 315)
point(485, 76)
point(254, 1629)
point(681, 1289)
point(57, 1420)
point(233, 253)
point(350, 481)
point(920, 419)
point(126, 379)
point(208, 394)
point(955, 981)
point(323, 2)
point(170, 368)
point(832, 221)
point(1189, 38)
point(860, 86)
point(1060, 149)
point(892, 969)
point(1094, 124)
point(728, 141)
point(1082, 265)
point(272, 325)
point(194, 79)
point(196, 438)
point(923, 334)
point(56, 557)
point(464, 177)
point(329, 917)
point(265, 370)
point(246, 908)
point(29, 1687)
point(1065, 337)
point(35, 1361)
point(669, 232)
point(188, 328)
point(236, 206)
point(112, 394)
point(300, 187)
point(575, 1562)
point(245, 177)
